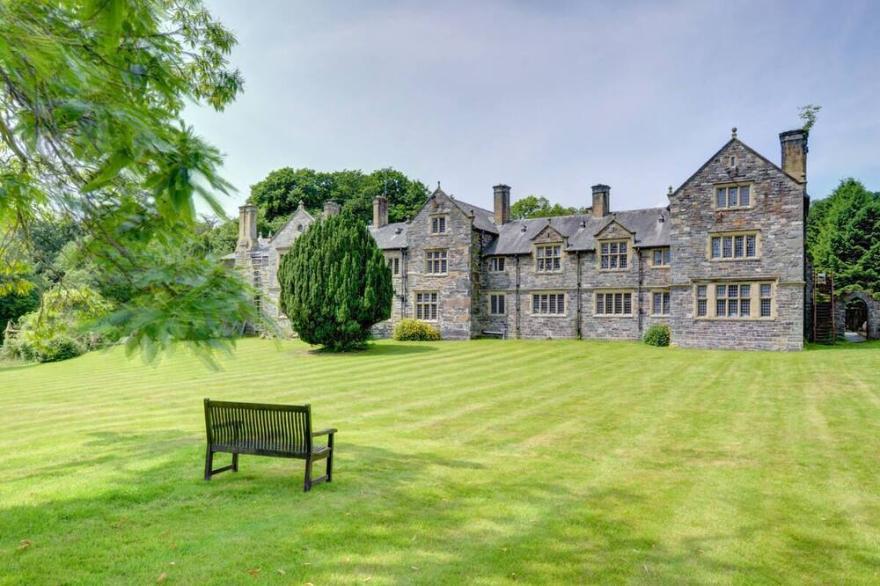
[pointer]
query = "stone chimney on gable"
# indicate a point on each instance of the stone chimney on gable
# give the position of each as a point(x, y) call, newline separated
point(380, 211)
point(331, 208)
point(601, 200)
point(794, 153)
point(502, 204)
point(247, 227)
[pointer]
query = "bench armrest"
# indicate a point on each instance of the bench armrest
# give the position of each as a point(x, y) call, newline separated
point(328, 431)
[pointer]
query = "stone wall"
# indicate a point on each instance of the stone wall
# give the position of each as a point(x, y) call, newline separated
point(777, 214)
point(873, 314)
point(454, 287)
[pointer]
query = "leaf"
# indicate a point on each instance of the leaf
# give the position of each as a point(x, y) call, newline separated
point(162, 577)
point(24, 544)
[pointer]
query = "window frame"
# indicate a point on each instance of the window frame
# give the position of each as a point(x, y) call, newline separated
point(737, 292)
point(727, 242)
point(436, 220)
point(394, 265)
point(617, 255)
point(665, 257)
point(493, 264)
point(611, 294)
point(541, 258)
point(557, 296)
point(496, 296)
point(665, 302)
point(420, 305)
point(443, 261)
point(726, 187)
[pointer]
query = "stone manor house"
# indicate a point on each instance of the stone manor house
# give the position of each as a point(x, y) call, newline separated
point(723, 264)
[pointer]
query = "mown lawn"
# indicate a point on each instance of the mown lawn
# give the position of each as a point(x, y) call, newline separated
point(484, 462)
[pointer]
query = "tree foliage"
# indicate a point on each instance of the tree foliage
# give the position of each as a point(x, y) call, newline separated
point(335, 283)
point(278, 195)
point(534, 206)
point(843, 236)
point(91, 95)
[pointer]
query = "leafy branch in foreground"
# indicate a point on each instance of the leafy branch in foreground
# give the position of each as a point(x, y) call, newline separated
point(91, 95)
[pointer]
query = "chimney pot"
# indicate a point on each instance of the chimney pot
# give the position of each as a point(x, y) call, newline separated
point(794, 153)
point(601, 200)
point(502, 204)
point(380, 211)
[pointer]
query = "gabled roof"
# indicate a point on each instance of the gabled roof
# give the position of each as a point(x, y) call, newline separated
point(390, 236)
point(483, 219)
point(299, 212)
point(516, 237)
point(733, 140)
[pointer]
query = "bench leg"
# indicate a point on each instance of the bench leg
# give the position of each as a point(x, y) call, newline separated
point(209, 463)
point(330, 463)
point(235, 462)
point(307, 485)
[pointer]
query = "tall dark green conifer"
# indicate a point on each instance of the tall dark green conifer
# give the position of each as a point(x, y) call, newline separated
point(335, 283)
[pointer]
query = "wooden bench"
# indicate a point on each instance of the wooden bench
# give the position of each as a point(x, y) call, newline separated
point(281, 431)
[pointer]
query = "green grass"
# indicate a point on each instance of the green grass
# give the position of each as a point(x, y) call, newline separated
point(484, 462)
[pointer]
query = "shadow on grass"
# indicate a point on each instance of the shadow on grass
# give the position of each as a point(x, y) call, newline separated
point(844, 346)
point(372, 350)
point(395, 516)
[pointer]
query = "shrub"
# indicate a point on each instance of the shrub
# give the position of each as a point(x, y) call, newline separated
point(59, 348)
point(413, 330)
point(335, 283)
point(657, 335)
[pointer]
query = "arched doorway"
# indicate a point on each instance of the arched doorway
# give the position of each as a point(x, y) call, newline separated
point(856, 319)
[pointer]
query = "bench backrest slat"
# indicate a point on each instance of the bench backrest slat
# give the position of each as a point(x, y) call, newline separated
point(258, 427)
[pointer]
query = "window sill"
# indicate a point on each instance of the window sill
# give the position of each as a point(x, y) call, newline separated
point(733, 209)
point(614, 270)
point(743, 319)
point(614, 315)
point(548, 315)
point(553, 272)
point(660, 315)
point(735, 259)
point(661, 267)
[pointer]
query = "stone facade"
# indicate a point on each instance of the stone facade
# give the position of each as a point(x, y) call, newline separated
point(872, 307)
point(604, 274)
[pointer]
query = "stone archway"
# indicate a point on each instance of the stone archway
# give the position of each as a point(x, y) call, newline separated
point(857, 313)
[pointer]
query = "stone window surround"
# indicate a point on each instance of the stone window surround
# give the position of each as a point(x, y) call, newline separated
point(754, 296)
point(494, 262)
point(667, 257)
point(503, 296)
point(718, 186)
point(441, 260)
point(550, 245)
point(632, 304)
point(629, 252)
point(565, 305)
point(435, 222)
point(425, 305)
point(661, 313)
point(759, 245)
point(394, 264)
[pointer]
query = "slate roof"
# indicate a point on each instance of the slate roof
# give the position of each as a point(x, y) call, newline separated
point(390, 235)
point(516, 236)
point(483, 219)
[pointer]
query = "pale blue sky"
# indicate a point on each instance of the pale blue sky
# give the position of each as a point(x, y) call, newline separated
point(547, 97)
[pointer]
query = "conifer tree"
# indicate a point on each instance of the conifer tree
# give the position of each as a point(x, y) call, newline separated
point(335, 283)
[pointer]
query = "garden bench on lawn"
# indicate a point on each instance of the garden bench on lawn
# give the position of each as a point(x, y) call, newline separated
point(281, 431)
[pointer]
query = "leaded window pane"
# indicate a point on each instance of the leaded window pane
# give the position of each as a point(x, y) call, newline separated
point(744, 196)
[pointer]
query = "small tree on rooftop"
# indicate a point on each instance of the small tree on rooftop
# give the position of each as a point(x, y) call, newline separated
point(335, 284)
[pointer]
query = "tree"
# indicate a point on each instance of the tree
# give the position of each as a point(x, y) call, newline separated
point(808, 114)
point(533, 206)
point(278, 195)
point(335, 283)
point(843, 236)
point(91, 95)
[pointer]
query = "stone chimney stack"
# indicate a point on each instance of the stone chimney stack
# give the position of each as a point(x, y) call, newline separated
point(331, 208)
point(502, 204)
point(601, 200)
point(247, 227)
point(794, 153)
point(380, 211)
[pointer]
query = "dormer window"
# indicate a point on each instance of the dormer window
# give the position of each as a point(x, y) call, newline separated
point(733, 197)
point(661, 257)
point(548, 258)
point(614, 255)
point(438, 225)
point(496, 264)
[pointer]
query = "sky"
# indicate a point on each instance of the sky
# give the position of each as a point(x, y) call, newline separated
point(547, 97)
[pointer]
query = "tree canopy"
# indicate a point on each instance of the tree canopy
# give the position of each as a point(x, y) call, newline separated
point(534, 206)
point(278, 195)
point(843, 236)
point(91, 95)
point(335, 283)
